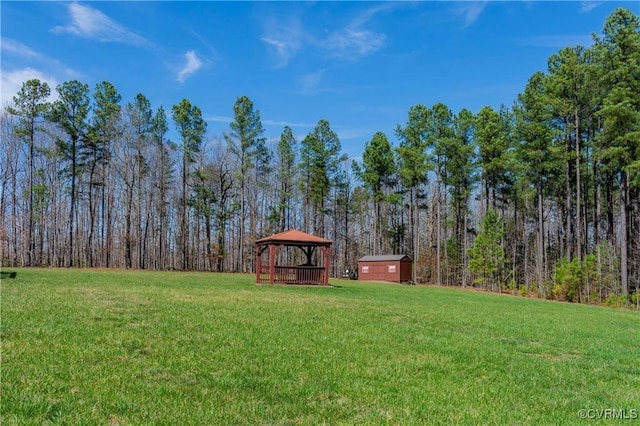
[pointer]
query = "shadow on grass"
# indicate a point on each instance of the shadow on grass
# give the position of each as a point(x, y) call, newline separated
point(5, 274)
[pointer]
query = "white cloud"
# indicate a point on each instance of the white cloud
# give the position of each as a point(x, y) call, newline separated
point(32, 59)
point(556, 41)
point(284, 39)
point(12, 82)
point(219, 119)
point(92, 24)
point(470, 11)
point(14, 47)
point(588, 6)
point(193, 64)
point(309, 83)
point(368, 14)
point(284, 49)
point(354, 43)
point(286, 123)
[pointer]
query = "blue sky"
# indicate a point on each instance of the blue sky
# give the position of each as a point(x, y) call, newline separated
point(360, 65)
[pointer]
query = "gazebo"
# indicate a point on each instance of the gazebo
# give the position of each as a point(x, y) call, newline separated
point(306, 273)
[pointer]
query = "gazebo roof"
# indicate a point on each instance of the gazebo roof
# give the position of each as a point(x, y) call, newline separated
point(295, 237)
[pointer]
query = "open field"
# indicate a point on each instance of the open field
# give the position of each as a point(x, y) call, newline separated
point(121, 347)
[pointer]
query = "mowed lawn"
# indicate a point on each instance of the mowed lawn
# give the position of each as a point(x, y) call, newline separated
point(130, 347)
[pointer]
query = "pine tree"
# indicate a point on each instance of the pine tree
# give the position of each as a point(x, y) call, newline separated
point(96, 154)
point(246, 143)
point(321, 155)
point(486, 257)
point(30, 106)
point(377, 173)
point(191, 126)
point(413, 166)
point(619, 51)
point(70, 112)
point(286, 173)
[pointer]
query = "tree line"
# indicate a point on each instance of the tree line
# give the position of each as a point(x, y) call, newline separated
point(542, 197)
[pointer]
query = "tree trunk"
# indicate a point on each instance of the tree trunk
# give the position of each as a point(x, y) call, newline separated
point(624, 267)
point(540, 241)
point(578, 221)
point(72, 209)
point(568, 202)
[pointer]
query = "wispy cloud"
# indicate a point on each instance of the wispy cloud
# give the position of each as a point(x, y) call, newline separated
point(30, 61)
point(470, 11)
point(193, 64)
point(310, 83)
point(354, 43)
point(90, 23)
point(355, 40)
point(352, 133)
point(556, 41)
point(280, 123)
point(287, 123)
point(284, 49)
point(12, 82)
point(14, 47)
point(284, 39)
point(219, 119)
point(588, 6)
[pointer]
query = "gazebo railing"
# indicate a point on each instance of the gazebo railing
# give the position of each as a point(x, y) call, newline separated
point(293, 274)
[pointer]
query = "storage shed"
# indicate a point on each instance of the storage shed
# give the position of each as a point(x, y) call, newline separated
point(393, 267)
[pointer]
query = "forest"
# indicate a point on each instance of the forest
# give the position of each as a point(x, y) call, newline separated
point(540, 198)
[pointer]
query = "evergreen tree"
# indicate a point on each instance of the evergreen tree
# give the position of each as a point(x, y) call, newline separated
point(460, 179)
point(286, 173)
point(163, 180)
point(486, 257)
point(619, 50)
point(377, 173)
point(96, 154)
point(246, 143)
point(413, 166)
point(191, 126)
point(30, 106)
point(70, 112)
point(537, 153)
point(569, 96)
point(321, 154)
point(492, 141)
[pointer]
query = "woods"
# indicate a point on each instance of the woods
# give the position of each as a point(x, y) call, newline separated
point(541, 197)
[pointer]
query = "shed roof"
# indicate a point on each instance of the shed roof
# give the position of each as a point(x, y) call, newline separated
point(384, 258)
point(295, 236)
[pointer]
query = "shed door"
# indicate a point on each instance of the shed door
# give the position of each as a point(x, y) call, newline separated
point(378, 271)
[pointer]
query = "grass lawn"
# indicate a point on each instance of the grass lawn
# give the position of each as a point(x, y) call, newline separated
point(131, 347)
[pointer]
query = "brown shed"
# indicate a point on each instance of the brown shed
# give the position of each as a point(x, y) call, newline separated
point(393, 267)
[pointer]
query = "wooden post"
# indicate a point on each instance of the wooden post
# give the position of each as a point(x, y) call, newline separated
point(258, 263)
point(272, 263)
point(327, 260)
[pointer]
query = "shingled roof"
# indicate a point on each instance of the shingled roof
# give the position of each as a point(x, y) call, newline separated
point(294, 236)
point(384, 258)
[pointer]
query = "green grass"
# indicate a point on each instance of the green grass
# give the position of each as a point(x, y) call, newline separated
point(120, 347)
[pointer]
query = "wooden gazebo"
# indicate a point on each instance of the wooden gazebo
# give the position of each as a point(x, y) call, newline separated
point(306, 273)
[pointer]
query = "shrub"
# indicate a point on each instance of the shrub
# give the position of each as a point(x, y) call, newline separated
point(568, 279)
point(635, 299)
point(616, 301)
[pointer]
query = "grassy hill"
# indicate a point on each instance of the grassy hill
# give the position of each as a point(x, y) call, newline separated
point(131, 347)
